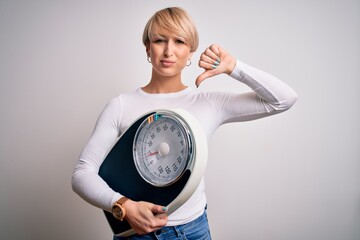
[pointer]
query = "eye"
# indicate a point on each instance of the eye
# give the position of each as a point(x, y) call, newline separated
point(159, 40)
point(180, 41)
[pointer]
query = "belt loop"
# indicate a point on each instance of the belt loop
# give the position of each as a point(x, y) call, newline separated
point(178, 233)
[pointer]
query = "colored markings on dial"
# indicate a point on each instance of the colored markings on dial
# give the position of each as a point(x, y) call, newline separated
point(153, 117)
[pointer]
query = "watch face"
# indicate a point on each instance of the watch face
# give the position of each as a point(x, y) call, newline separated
point(162, 148)
point(117, 211)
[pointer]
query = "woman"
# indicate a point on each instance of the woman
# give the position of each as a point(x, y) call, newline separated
point(170, 38)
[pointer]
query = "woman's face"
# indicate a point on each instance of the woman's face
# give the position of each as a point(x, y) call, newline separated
point(169, 53)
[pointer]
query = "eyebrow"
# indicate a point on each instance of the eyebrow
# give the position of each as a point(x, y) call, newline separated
point(165, 36)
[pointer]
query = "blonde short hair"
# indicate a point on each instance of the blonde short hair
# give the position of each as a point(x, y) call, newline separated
point(173, 20)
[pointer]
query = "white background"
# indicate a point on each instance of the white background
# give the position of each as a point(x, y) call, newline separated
point(291, 176)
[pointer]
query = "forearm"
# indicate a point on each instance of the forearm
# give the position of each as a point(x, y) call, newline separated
point(277, 94)
point(92, 188)
point(269, 96)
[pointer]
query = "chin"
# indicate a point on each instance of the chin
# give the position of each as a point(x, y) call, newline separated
point(168, 72)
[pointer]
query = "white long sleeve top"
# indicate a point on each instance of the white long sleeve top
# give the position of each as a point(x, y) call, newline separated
point(269, 96)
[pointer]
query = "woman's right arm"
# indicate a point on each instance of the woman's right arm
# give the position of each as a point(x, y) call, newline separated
point(143, 217)
point(85, 180)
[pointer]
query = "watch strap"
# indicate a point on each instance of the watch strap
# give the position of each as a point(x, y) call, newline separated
point(122, 200)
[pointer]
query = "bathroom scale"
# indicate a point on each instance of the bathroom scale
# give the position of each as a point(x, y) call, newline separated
point(160, 158)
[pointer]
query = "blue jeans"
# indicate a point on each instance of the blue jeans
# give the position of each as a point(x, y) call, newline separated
point(197, 229)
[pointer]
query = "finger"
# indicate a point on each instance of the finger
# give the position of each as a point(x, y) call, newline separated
point(209, 65)
point(149, 222)
point(212, 53)
point(161, 220)
point(157, 221)
point(215, 49)
point(161, 216)
point(158, 209)
point(209, 59)
point(206, 59)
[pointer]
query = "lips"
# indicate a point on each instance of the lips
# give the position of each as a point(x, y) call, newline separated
point(167, 63)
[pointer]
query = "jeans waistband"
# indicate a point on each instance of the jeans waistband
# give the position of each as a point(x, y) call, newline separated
point(176, 232)
point(178, 229)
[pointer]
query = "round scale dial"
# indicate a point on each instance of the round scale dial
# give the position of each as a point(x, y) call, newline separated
point(162, 148)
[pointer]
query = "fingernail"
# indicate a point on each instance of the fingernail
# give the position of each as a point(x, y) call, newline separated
point(214, 66)
point(217, 62)
point(164, 209)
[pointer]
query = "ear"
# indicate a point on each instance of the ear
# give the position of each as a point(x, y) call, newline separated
point(147, 49)
point(190, 55)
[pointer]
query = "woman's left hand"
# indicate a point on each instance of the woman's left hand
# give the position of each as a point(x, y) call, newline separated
point(215, 60)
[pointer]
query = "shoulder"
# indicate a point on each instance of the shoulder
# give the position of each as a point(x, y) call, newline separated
point(117, 100)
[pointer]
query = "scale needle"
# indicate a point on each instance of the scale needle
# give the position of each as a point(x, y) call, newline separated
point(163, 150)
point(152, 153)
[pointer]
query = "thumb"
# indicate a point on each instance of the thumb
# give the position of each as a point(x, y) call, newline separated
point(206, 74)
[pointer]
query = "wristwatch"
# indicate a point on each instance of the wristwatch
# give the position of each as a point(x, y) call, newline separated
point(118, 210)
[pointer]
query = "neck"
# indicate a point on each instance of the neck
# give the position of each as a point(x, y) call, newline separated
point(164, 84)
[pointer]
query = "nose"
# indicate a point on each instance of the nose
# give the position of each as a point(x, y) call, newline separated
point(169, 49)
